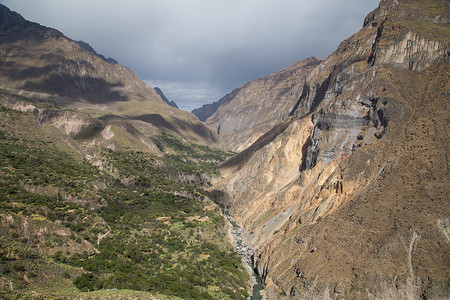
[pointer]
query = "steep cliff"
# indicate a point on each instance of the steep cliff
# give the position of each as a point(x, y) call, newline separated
point(349, 199)
point(249, 111)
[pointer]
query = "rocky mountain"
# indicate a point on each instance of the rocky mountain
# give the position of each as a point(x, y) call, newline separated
point(245, 114)
point(164, 98)
point(348, 197)
point(207, 110)
point(341, 183)
point(41, 62)
point(89, 48)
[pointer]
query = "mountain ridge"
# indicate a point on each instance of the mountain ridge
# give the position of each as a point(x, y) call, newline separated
point(42, 62)
point(164, 98)
point(341, 179)
point(207, 110)
point(89, 48)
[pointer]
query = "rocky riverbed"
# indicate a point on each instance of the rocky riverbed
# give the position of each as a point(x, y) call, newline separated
point(245, 250)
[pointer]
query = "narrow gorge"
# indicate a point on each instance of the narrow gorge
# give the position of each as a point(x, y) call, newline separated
point(245, 250)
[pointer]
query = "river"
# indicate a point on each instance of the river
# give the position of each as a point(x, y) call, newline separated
point(246, 251)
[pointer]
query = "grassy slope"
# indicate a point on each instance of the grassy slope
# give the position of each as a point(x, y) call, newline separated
point(143, 223)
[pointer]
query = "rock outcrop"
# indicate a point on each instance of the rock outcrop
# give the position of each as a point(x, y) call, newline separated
point(349, 199)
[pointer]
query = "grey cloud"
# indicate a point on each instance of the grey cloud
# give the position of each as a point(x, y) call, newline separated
point(187, 95)
point(219, 44)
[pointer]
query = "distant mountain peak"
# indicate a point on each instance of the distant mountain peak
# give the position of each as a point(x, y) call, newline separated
point(164, 98)
point(244, 115)
point(207, 110)
point(13, 27)
point(9, 18)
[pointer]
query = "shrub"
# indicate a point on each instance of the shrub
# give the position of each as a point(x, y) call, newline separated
point(18, 266)
point(87, 282)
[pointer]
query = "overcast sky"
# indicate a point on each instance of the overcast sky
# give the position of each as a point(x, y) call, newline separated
point(196, 51)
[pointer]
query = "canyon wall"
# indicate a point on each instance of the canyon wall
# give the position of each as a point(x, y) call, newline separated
point(249, 111)
point(349, 197)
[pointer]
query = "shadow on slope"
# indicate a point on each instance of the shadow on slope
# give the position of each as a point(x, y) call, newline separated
point(241, 158)
point(178, 126)
point(53, 79)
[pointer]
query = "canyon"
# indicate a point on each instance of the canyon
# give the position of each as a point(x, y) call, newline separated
point(346, 196)
point(333, 172)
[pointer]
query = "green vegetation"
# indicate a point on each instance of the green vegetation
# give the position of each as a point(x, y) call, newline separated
point(142, 223)
point(189, 157)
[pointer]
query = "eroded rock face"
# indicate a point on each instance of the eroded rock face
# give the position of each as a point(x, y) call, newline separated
point(339, 131)
point(251, 110)
point(412, 52)
point(348, 200)
point(413, 37)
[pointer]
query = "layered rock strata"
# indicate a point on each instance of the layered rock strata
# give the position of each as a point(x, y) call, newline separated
point(350, 198)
